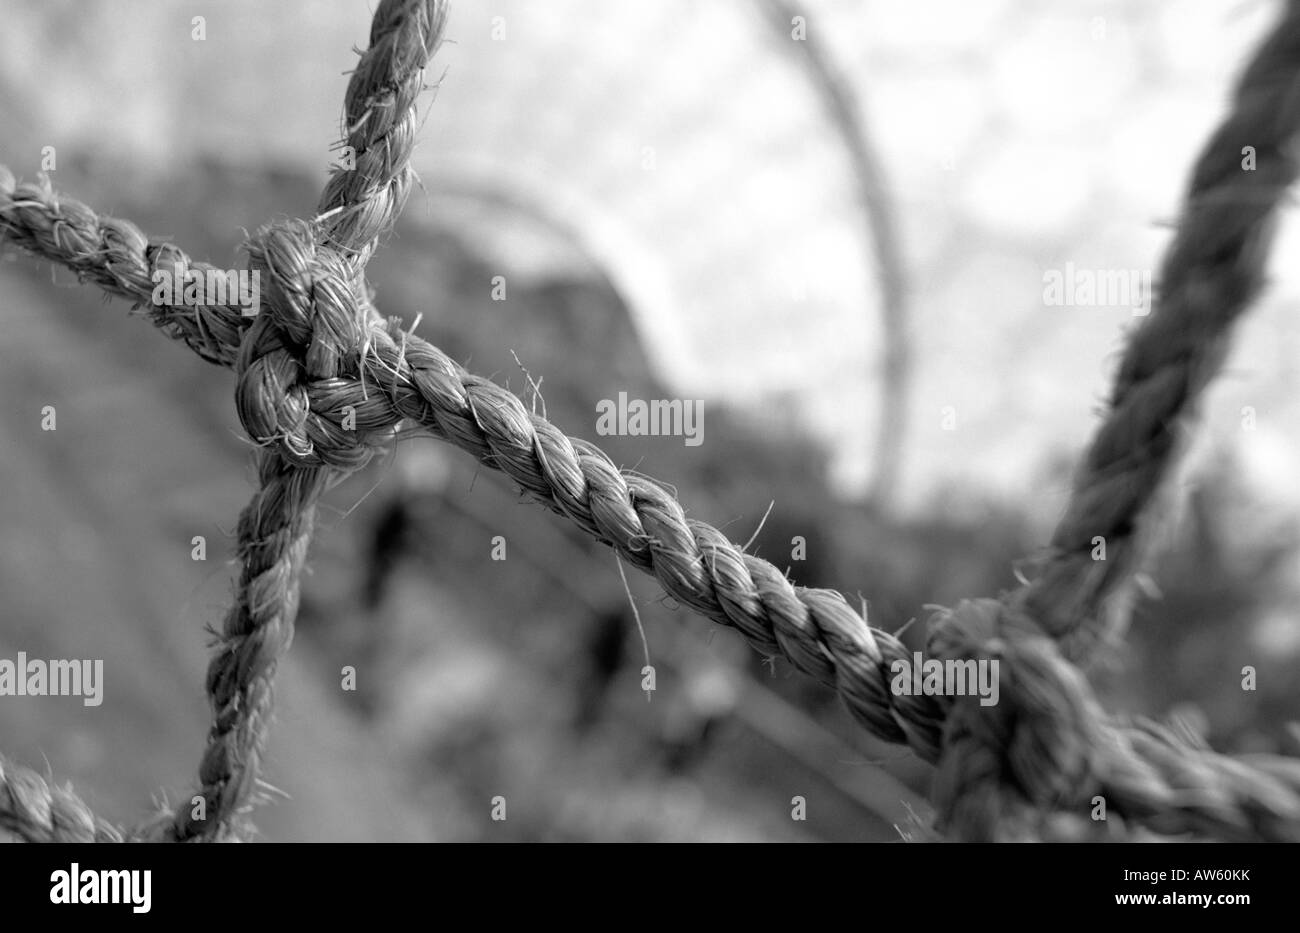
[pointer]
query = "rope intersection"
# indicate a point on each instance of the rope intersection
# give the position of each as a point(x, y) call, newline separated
point(318, 356)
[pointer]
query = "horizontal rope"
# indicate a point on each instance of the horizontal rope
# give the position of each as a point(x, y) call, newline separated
point(114, 255)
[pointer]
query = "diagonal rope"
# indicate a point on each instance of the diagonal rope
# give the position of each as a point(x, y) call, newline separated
point(36, 811)
point(1212, 271)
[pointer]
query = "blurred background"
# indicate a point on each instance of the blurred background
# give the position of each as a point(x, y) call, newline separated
point(829, 220)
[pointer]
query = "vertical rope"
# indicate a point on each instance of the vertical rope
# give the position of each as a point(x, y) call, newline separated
point(316, 316)
point(274, 531)
point(380, 117)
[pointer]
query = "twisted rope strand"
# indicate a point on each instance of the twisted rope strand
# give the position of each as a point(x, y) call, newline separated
point(815, 629)
point(117, 257)
point(38, 812)
point(1212, 271)
point(359, 206)
point(274, 532)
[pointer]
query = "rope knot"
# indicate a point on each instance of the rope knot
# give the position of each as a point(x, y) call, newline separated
point(312, 329)
point(1032, 748)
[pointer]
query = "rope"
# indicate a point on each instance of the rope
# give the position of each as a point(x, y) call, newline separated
point(114, 255)
point(1211, 273)
point(38, 812)
point(318, 352)
point(320, 308)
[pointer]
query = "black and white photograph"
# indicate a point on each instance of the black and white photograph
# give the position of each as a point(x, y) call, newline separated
point(733, 421)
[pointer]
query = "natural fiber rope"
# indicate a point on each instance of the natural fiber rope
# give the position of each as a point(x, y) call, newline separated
point(121, 260)
point(38, 812)
point(1211, 273)
point(317, 348)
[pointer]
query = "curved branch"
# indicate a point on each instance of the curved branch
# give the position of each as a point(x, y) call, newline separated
point(883, 238)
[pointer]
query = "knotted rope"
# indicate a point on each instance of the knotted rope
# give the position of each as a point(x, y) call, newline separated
point(323, 382)
point(312, 330)
point(1043, 749)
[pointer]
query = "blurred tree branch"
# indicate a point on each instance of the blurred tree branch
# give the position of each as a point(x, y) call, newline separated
point(844, 110)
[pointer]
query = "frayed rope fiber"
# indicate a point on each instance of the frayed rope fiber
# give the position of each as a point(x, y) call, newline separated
point(318, 351)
